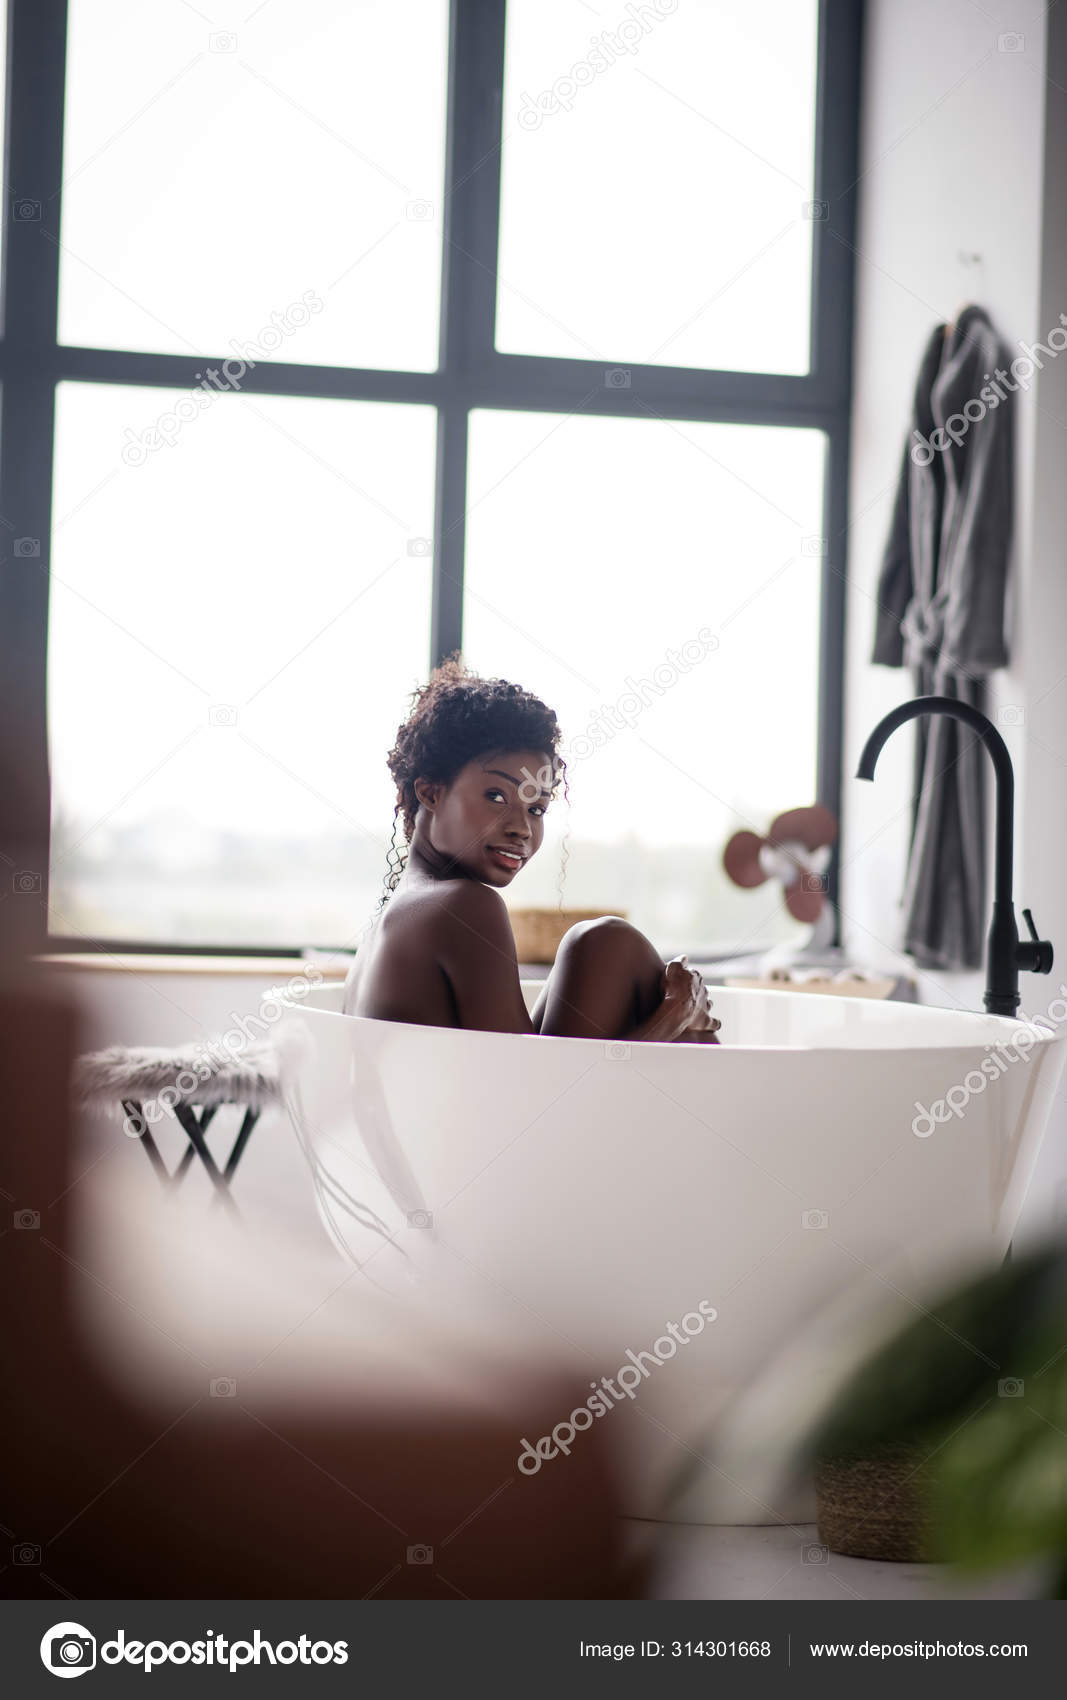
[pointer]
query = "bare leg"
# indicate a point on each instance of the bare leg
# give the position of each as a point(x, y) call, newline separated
point(606, 978)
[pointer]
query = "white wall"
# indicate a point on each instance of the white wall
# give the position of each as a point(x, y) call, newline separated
point(953, 161)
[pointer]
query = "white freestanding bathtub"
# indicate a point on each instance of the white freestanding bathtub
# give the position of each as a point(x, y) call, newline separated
point(586, 1196)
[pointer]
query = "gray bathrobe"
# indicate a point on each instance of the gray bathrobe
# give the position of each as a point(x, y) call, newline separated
point(940, 597)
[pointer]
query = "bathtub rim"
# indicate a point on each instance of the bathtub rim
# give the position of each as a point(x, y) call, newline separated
point(1048, 1036)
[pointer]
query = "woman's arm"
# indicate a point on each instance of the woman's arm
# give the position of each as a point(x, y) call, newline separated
point(685, 1008)
point(475, 949)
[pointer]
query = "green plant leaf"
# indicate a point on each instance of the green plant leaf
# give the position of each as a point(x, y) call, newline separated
point(1000, 1489)
point(948, 1362)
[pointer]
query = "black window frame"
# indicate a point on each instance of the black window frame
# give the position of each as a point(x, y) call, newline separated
point(471, 373)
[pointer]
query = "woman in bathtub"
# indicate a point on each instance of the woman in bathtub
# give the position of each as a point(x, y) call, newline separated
point(476, 766)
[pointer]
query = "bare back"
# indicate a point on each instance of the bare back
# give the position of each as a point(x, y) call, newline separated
point(397, 974)
point(442, 954)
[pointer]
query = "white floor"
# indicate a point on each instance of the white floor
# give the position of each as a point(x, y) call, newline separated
point(776, 1562)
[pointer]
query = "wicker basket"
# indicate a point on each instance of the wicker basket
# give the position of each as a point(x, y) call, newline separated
point(876, 1506)
point(538, 931)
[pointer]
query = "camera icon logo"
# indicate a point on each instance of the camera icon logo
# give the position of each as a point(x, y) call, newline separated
point(223, 41)
point(420, 1218)
point(27, 548)
point(813, 546)
point(812, 882)
point(616, 1050)
point(419, 211)
point(814, 1554)
point(1010, 1388)
point(26, 881)
point(420, 1554)
point(617, 378)
point(420, 546)
point(1011, 42)
point(816, 209)
point(27, 1218)
point(68, 1649)
point(223, 1387)
point(25, 1553)
point(222, 714)
point(1012, 714)
point(815, 1218)
point(26, 212)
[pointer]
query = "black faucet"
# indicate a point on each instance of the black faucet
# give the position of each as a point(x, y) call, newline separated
point(1005, 955)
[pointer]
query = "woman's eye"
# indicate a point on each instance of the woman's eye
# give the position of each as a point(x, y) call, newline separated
point(496, 792)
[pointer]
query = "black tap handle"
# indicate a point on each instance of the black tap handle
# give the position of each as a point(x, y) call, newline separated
point(1037, 955)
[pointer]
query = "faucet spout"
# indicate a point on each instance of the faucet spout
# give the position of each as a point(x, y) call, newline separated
point(1004, 955)
point(997, 748)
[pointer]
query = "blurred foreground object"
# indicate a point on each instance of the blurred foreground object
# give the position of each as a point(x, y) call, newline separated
point(138, 1466)
point(976, 1391)
point(940, 1438)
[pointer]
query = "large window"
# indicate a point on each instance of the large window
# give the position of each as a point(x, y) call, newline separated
point(362, 330)
point(654, 181)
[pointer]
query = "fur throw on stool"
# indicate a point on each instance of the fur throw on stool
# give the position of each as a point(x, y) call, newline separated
point(192, 1074)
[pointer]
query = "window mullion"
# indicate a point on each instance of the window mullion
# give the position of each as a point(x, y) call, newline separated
point(835, 181)
point(468, 283)
point(33, 162)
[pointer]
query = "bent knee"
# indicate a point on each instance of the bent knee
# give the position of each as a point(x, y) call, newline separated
point(595, 927)
point(612, 936)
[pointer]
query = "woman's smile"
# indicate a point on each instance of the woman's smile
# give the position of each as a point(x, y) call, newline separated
point(512, 860)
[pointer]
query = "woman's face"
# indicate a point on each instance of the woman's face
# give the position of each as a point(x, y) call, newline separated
point(496, 803)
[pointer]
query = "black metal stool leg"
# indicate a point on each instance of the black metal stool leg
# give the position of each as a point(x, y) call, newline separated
point(135, 1112)
point(187, 1118)
point(250, 1120)
point(190, 1150)
point(194, 1127)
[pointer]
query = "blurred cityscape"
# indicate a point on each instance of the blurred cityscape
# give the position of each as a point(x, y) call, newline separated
point(169, 881)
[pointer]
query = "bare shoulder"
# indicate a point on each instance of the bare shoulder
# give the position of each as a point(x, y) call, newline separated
point(475, 947)
point(419, 904)
point(463, 897)
point(430, 937)
point(469, 906)
point(444, 912)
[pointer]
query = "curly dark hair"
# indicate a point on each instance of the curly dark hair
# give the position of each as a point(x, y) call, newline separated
point(456, 716)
